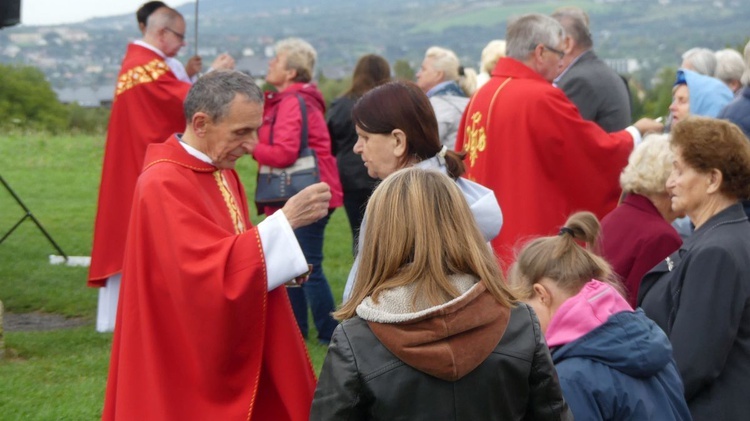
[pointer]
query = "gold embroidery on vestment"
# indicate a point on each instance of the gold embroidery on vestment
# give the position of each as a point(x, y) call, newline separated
point(476, 138)
point(234, 212)
point(476, 135)
point(149, 72)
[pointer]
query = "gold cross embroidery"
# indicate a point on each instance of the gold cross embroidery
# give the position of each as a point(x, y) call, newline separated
point(477, 138)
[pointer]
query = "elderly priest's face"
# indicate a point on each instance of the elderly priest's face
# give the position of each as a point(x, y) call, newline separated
point(234, 135)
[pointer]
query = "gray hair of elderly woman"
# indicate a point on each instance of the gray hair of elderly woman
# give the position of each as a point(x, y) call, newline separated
point(729, 65)
point(526, 32)
point(575, 21)
point(444, 60)
point(648, 166)
point(213, 93)
point(300, 56)
point(701, 60)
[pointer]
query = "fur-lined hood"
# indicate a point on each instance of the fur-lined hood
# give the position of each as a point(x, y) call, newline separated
point(447, 341)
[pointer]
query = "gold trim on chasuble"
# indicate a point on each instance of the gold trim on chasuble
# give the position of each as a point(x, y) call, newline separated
point(234, 211)
point(476, 134)
point(149, 72)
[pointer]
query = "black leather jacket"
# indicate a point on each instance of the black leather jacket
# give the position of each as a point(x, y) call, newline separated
point(362, 380)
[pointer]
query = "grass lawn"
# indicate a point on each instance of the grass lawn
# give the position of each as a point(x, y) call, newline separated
point(61, 375)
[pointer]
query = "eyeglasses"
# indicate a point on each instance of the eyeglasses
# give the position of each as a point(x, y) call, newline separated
point(177, 34)
point(559, 53)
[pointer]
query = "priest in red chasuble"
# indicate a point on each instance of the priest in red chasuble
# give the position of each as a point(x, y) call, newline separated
point(147, 108)
point(205, 330)
point(526, 141)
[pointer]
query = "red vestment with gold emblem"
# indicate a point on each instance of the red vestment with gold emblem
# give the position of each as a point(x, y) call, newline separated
point(527, 142)
point(147, 109)
point(198, 335)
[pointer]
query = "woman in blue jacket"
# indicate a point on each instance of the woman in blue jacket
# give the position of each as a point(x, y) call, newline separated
point(613, 363)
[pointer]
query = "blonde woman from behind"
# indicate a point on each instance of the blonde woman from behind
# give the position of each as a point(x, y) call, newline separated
point(431, 331)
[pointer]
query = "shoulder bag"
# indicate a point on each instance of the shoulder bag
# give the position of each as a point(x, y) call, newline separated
point(277, 185)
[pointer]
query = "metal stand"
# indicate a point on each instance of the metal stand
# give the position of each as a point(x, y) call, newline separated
point(28, 215)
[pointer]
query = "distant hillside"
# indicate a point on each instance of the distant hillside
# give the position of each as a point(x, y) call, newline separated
point(654, 32)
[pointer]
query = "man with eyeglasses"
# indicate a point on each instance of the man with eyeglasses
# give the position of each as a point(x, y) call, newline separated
point(147, 108)
point(188, 73)
point(526, 141)
point(601, 95)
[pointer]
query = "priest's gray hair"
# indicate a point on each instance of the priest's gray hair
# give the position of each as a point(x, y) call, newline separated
point(213, 93)
point(526, 32)
point(163, 17)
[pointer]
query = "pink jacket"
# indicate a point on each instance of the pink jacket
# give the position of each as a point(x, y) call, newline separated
point(583, 312)
point(282, 110)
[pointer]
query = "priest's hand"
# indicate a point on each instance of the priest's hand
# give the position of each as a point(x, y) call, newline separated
point(648, 125)
point(307, 206)
point(223, 62)
point(193, 66)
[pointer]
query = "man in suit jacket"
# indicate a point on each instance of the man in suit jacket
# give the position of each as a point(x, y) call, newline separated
point(601, 95)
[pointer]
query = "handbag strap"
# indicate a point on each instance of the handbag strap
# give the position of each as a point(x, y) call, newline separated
point(303, 114)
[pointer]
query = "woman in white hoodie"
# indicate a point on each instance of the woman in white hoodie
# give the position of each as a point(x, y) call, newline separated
point(397, 128)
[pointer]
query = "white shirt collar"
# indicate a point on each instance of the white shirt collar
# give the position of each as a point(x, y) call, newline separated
point(575, 60)
point(144, 44)
point(194, 152)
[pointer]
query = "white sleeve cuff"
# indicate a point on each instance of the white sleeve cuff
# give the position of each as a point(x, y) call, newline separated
point(636, 135)
point(283, 255)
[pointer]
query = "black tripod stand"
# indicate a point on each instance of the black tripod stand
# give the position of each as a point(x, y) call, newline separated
point(28, 215)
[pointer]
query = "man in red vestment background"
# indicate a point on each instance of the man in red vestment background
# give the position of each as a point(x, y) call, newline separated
point(205, 330)
point(526, 141)
point(147, 108)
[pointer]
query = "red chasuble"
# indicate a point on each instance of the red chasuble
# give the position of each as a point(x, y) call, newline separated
point(198, 336)
point(147, 109)
point(526, 141)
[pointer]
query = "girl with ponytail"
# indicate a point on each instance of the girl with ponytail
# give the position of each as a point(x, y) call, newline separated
point(613, 362)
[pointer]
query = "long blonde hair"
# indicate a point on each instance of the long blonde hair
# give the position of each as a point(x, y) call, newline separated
point(419, 229)
point(561, 259)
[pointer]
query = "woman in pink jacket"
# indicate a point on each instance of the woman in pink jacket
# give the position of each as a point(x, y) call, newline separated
point(290, 72)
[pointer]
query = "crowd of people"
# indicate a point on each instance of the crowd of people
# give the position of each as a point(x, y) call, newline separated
point(484, 285)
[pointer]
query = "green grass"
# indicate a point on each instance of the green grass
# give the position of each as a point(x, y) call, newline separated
point(61, 375)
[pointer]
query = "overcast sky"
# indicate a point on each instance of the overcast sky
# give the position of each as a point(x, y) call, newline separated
point(50, 12)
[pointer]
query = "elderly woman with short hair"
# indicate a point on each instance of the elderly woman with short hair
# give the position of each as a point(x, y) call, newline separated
point(700, 294)
point(637, 234)
point(448, 90)
point(291, 72)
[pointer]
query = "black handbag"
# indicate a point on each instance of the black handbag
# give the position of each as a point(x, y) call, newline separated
point(277, 185)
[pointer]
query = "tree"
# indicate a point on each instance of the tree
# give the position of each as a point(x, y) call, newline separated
point(332, 88)
point(403, 70)
point(657, 100)
point(27, 100)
